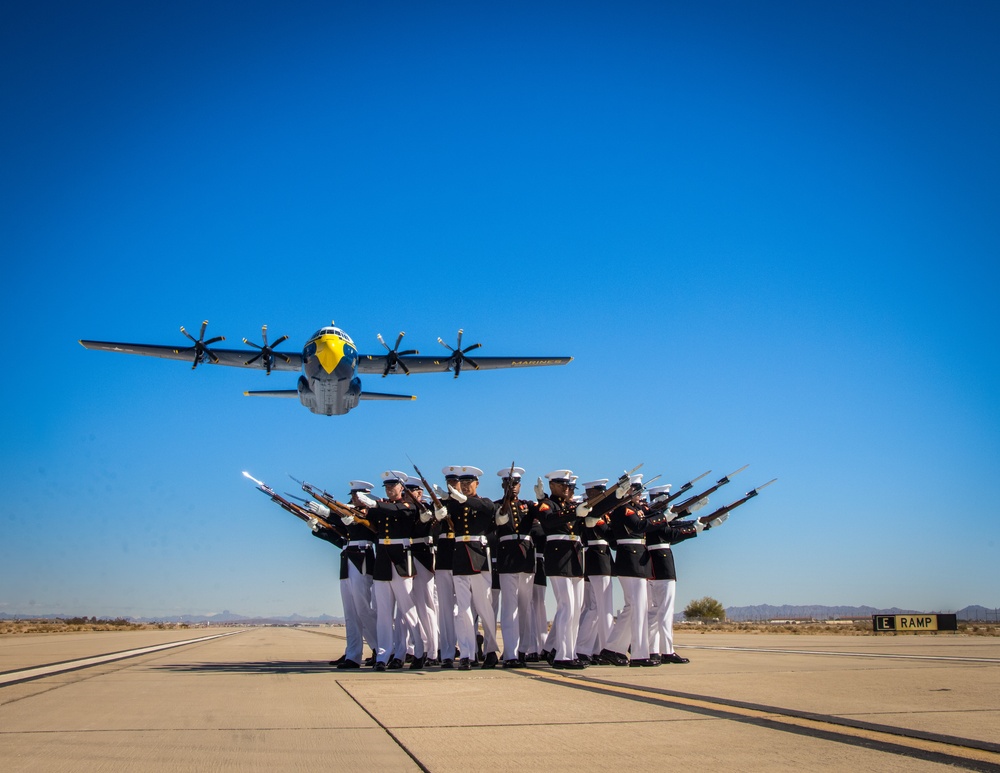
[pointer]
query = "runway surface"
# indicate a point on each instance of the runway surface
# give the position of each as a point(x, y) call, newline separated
point(266, 699)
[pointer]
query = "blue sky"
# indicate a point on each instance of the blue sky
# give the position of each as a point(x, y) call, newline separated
point(766, 233)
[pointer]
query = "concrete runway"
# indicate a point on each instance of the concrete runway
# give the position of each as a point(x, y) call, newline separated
point(266, 699)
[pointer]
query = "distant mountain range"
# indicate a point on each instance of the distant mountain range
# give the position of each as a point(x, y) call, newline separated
point(759, 612)
point(819, 612)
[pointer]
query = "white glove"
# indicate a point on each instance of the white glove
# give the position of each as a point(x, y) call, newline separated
point(502, 518)
point(319, 509)
point(425, 515)
point(539, 489)
point(366, 500)
point(698, 505)
point(669, 515)
point(441, 493)
point(347, 520)
point(623, 489)
point(583, 510)
point(590, 521)
point(314, 524)
point(698, 526)
point(440, 512)
point(718, 521)
point(457, 495)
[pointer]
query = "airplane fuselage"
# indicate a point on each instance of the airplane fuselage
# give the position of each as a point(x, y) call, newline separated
point(329, 384)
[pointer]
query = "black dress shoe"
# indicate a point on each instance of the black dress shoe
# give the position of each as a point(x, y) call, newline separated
point(641, 662)
point(574, 665)
point(338, 661)
point(348, 664)
point(513, 664)
point(408, 658)
point(479, 646)
point(370, 661)
point(464, 665)
point(655, 657)
point(614, 658)
point(417, 664)
point(379, 665)
point(585, 659)
point(532, 657)
point(431, 662)
point(490, 661)
point(395, 664)
point(673, 657)
point(447, 663)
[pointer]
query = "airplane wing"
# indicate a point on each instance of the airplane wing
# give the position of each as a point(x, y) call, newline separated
point(383, 396)
point(374, 363)
point(233, 357)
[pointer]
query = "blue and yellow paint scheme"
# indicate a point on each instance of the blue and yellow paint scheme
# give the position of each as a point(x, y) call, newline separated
point(330, 365)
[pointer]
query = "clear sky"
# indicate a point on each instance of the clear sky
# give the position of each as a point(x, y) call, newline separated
point(766, 232)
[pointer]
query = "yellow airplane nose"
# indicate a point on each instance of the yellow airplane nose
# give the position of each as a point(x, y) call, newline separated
point(329, 352)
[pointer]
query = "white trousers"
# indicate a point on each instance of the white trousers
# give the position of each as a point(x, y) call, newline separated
point(444, 584)
point(472, 595)
point(359, 614)
point(632, 626)
point(661, 616)
point(425, 599)
point(515, 610)
point(598, 615)
point(566, 623)
point(538, 621)
point(388, 595)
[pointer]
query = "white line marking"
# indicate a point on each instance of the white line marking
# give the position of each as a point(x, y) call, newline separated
point(71, 665)
point(946, 658)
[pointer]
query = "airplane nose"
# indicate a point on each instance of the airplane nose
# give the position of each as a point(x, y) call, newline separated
point(329, 352)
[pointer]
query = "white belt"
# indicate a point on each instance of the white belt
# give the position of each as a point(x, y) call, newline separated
point(359, 543)
point(595, 542)
point(659, 546)
point(631, 542)
point(404, 541)
point(509, 537)
point(471, 538)
point(571, 537)
point(423, 540)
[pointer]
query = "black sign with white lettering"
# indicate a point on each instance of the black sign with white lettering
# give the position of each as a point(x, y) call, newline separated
point(914, 623)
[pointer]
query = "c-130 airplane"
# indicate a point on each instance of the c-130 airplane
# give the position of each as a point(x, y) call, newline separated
point(330, 364)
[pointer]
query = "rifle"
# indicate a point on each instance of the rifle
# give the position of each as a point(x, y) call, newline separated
point(596, 500)
point(686, 487)
point(325, 498)
point(707, 519)
point(507, 502)
point(294, 509)
point(684, 507)
point(430, 490)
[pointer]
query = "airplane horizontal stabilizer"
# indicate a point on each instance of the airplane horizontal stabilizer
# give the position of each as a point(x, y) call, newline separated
point(274, 393)
point(381, 396)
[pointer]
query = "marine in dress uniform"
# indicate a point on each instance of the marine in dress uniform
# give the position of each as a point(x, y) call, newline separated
point(424, 592)
point(631, 628)
point(663, 582)
point(561, 519)
point(516, 567)
point(598, 613)
point(444, 580)
point(393, 521)
point(473, 517)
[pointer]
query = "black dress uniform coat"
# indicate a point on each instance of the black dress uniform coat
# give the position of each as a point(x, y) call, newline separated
point(476, 517)
point(658, 542)
point(423, 545)
point(393, 524)
point(628, 522)
point(597, 556)
point(563, 557)
point(516, 554)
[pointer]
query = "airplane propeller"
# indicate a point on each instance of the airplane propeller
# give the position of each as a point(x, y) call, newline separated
point(392, 358)
point(266, 351)
point(201, 346)
point(458, 354)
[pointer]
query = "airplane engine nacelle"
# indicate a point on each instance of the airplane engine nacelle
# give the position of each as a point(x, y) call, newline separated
point(306, 395)
point(353, 393)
